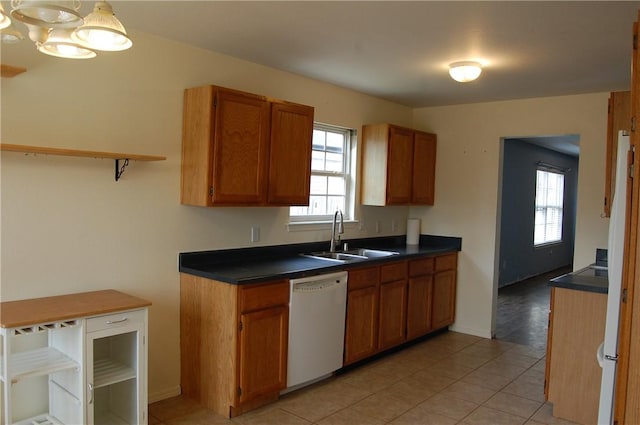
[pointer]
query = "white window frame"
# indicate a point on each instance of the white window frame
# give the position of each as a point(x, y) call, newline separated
point(348, 169)
point(548, 209)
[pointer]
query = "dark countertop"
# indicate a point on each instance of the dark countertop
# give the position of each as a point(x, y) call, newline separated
point(590, 279)
point(252, 265)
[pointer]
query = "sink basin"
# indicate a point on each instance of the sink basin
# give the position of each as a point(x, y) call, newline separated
point(371, 253)
point(350, 256)
point(340, 257)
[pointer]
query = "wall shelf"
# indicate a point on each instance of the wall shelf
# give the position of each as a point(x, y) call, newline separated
point(126, 157)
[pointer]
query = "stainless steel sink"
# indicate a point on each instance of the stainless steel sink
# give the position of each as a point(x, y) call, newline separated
point(359, 254)
point(339, 257)
point(372, 253)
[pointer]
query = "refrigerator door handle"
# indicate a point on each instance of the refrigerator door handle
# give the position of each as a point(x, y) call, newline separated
point(609, 357)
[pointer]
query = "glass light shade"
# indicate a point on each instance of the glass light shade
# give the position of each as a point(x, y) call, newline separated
point(4, 19)
point(49, 14)
point(10, 35)
point(59, 44)
point(465, 71)
point(102, 30)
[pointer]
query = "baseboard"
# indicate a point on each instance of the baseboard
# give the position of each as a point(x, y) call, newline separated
point(471, 331)
point(167, 393)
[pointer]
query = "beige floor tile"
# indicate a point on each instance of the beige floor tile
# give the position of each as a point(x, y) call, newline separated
point(382, 406)
point(486, 416)
point(392, 367)
point(545, 416)
point(529, 351)
point(418, 416)
point(487, 379)
point(522, 388)
point(513, 404)
point(270, 417)
point(451, 407)
point(410, 390)
point(515, 359)
point(468, 359)
point(200, 417)
point(506, 370)
point(368, 380)
point(433, 380)
point(469, 392)
point(450, 368)
point(174, 408)
point(350, 416)
point(322, 400)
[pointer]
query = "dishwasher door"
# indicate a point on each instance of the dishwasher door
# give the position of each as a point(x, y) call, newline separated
point(316, 327)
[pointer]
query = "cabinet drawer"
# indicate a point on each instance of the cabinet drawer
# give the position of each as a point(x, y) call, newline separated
point(394, 271)
point(363, 278)
point(446, 262)
point(421, 267)
point(256, 297)
point(115, 320)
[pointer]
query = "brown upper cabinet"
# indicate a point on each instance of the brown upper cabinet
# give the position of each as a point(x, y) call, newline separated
point(244, 149)
point(398, 166)
point(619, 118)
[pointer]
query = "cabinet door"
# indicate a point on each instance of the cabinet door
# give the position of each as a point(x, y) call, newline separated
point(619, 118)
point(361, 330)
point(424, 168)
point(399, 165)
point(240, 148)
point(263, 352)
point(444, 297)
point(290, 154)
point(116, 369)
point(419, 306)
point(392, 319)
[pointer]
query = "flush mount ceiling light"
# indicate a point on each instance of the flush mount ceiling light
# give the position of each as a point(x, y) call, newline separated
point(45, 20)
point(465, 71)
point(102, 30)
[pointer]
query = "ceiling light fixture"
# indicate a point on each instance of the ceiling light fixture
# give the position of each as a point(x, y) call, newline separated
point(5, 21)
point(10, 34)
point(465, 71)
point(102, 30)
point(58, 29)
point(60, 44)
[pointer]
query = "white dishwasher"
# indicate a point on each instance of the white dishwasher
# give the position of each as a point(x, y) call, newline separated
point(317, 311)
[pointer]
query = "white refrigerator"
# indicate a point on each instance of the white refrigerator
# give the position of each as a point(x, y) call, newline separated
point(608, 350)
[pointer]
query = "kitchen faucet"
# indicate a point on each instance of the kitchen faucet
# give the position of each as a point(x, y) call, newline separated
point(333, 230)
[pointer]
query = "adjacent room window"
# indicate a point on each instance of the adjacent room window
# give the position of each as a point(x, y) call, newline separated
point(330, 179)
point(549, 206)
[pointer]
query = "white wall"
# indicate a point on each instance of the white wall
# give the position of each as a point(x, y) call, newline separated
point(467, 179)
point(67, 226)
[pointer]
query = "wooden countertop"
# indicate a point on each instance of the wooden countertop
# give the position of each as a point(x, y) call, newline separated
point(62, 307)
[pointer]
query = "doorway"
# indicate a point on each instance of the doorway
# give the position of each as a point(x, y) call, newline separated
point(527, 257)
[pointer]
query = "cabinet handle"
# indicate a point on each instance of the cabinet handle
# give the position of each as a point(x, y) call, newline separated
point(90, 393)
point(113, 322)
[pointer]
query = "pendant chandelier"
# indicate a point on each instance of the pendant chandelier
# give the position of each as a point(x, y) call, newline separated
point(58, 29)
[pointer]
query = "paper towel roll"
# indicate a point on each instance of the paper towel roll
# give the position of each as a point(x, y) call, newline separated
point(413, 231)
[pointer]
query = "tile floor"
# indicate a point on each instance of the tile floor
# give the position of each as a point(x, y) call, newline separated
point(451, 378)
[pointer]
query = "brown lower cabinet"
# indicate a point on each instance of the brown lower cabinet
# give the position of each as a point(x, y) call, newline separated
point(233, 343)
point(397, 302)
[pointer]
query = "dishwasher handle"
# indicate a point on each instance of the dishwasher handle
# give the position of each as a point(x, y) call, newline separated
point(318, 285)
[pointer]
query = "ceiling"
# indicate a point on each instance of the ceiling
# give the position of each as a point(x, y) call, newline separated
point(400, 51)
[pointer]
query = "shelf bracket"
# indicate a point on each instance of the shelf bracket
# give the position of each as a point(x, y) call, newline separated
point(119, 169)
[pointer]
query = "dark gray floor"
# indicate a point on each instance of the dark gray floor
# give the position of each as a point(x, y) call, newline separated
point(523, 310)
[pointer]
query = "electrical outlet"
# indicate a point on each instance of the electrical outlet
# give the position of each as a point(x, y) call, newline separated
point(255, 234)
